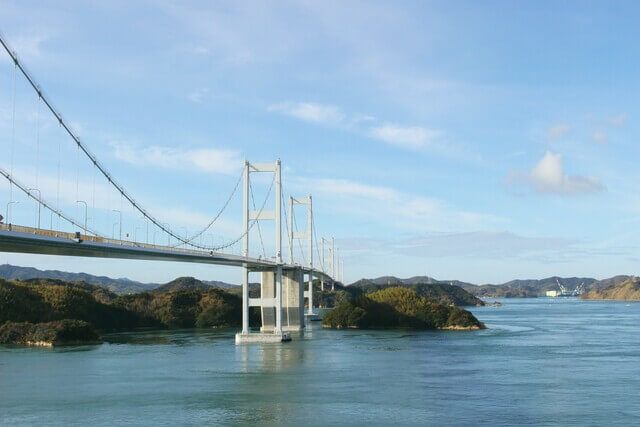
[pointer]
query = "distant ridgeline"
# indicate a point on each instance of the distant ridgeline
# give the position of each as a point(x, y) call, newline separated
point(538, 288)
point(447, 293)
point(118, 286)
point(626, 290)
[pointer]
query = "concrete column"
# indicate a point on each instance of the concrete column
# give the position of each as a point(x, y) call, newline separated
point(245, 300)
point(290, 225)
point(245, 250)
point(300, 280)
point(310, 292)
point(279, 300)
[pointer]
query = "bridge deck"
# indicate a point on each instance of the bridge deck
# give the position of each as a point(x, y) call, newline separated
point(20, 239)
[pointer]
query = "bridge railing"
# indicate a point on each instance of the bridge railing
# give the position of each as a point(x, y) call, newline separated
point(74, 236)
point(98, 239)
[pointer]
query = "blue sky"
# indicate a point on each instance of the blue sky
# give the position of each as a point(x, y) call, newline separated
point(481, 141)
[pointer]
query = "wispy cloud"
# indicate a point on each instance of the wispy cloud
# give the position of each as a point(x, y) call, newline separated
point(208, 160)
point(26, 46)
point(310, 112)
point(406, 137)
point(600, 137)
point(198, 95)
point(396, 208)
point(618, 120)
point(413, 137)
point(483, 244)
point(558, 131)
point(549, 177)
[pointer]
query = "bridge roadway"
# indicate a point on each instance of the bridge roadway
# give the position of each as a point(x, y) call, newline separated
point(21, 239)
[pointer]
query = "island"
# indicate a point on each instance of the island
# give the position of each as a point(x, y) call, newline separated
point(398, 307)
point(52, 312)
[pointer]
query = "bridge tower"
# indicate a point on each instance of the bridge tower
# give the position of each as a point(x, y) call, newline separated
point(276, 281)
point(303, 235)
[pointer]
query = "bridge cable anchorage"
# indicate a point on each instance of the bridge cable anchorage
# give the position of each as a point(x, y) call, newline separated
point(44, 203)
point(123, 192)
point(253, 202)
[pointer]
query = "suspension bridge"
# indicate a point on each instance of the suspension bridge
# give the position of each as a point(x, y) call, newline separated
point(284, 286)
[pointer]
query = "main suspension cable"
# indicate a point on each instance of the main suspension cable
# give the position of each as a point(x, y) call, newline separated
point(44, 203)
point(123, 192)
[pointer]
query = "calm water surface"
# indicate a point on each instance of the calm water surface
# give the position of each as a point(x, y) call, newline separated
point(542, 362)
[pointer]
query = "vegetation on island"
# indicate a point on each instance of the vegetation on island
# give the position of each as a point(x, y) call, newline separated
point(54, 312)
point(628, 290)
point(39, 302)
point(59, 332)
point(443, 293)
point(397, 307)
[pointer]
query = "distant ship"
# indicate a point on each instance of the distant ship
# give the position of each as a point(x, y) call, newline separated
point(564, 292)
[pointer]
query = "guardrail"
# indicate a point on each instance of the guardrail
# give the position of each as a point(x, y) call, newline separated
point(79, 237)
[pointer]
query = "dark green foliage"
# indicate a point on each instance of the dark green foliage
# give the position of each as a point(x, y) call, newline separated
point(442, 293)
point(52, 333)
point(398, 307)
point(43, 301)
point(345, 315)
point(20, 304)
point(185, 308)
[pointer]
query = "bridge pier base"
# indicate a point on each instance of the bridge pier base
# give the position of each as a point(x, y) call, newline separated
point(262, 337)
point(281, 305)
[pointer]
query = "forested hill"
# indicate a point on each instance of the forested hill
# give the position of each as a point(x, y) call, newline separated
point(627, 290)
point(440, 292)
point(120, 286)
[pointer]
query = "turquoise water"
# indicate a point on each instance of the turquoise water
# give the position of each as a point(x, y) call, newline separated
point(550, 362)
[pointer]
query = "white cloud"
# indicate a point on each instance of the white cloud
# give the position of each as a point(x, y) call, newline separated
point(392, 207)
point(600, 137)
point(26, 47)
point(343, 187)
point(558, 131)
point(198, 95)
point(548, 176)
point(482, 244)
point(310, 112)
point(208, 160)
point(413, 137)
point(618, 120)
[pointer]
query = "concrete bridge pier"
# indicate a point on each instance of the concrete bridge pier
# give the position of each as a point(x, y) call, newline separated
point(281, 305)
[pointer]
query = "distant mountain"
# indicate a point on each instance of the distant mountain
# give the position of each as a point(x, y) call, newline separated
point(118, 286)
point(184, 284)
point(441, 292)
point(529, 288)
point(392, 280)
point(520, 288)
point(626, 290)
point(220, 285)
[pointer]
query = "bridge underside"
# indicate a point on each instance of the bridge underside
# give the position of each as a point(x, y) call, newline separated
point(282, 311)
point(65, 245)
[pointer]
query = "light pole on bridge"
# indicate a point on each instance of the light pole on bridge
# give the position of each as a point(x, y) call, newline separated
point(38, 201)
point(119, 222)
point(13, 202)
point(85, 214)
